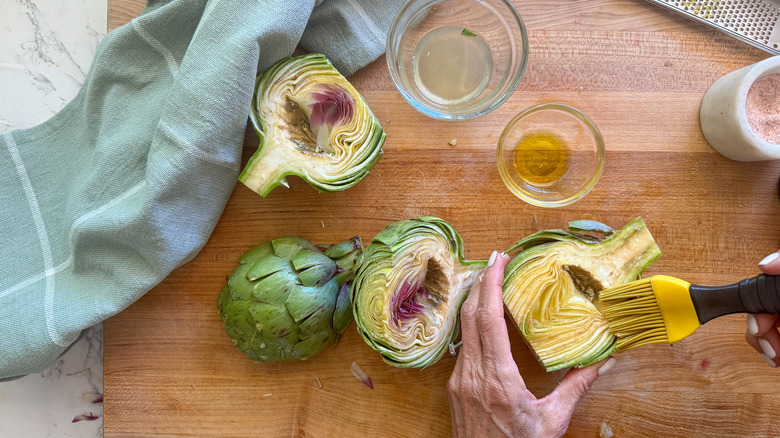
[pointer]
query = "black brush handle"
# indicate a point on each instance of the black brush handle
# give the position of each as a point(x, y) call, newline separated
point(760, 294)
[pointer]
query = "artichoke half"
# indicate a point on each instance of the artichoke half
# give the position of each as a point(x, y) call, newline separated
point(551, 288)
point(288, 299)
point(408, 290)
point(312, 123)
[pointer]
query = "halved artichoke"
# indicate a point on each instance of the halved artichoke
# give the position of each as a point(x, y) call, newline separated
point(551, 288)
point(288, 299)
point(409, 288)
point(312, 123)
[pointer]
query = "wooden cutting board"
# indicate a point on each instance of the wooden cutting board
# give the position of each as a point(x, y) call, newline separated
point(639, 72)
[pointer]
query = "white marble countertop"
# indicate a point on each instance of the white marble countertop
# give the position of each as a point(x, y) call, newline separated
point(46, 48)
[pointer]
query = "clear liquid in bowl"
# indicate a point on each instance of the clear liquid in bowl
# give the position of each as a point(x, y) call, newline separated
point(451, 65)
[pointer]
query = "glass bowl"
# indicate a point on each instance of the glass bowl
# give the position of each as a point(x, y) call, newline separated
point(457, 59)
point(550, 155)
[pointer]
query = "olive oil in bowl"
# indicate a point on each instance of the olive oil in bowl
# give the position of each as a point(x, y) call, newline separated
point(541, 159)
point(550, 155)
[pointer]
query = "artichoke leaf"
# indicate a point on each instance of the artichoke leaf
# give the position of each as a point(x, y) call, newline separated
point(274, 288)
point(259, 251)
point(342, 249)
point(286, 247)
point(239, 287)
point(313, 343)
point(342, 316)
point(245, 325)
point(317, 274)
point(306, 258)
point(276, 321)
point(319, 321)
point(551, 288)
point(303, 300)
point(266, 267)
point(548, 236)
point(590, 225)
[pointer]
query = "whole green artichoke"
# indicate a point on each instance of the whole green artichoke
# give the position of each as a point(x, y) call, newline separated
point(288, 299)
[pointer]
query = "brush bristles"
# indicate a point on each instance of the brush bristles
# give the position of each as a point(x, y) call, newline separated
point(633, 314)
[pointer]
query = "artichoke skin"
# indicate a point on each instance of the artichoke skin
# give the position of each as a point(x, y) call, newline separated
point(551, 288)
point(312, 123)
point(287, 299)
point(409, 288)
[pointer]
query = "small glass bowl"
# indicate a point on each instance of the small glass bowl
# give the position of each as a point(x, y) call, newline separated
point(550, 155)
point(424, 39)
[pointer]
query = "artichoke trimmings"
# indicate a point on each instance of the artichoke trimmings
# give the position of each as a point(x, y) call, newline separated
point(551, 288)
point(311, 123)
point(408, 290)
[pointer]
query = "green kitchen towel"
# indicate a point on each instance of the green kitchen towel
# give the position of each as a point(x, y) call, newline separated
point(127, 182)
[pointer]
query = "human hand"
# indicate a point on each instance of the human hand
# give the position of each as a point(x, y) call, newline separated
point(488, 397)
point(762, 331)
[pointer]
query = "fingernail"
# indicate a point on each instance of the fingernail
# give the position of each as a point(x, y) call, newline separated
point(505, 256)
point(608, 365)
point(768, 350)
point(769, 361)
point(493, 258)
point(769, 259)
point(752, 325)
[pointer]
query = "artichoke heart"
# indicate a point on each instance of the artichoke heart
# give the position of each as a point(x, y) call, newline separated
point(312, 123)
point(409, 288)
point(551, 288)
point(289, 299)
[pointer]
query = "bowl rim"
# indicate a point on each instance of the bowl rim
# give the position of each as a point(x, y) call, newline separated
point(504, 172)
point(512, 82)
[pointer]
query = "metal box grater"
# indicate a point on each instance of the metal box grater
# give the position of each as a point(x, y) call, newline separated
point(756, 22)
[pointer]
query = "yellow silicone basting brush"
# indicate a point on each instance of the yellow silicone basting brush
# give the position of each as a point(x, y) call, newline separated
point(667, 309)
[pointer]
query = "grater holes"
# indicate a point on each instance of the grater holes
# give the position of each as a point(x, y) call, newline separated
point(751, 19)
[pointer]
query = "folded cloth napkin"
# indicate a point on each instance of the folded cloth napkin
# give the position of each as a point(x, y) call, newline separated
point(127, 182)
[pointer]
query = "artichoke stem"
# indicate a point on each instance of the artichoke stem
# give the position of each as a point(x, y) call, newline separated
point(265, 169)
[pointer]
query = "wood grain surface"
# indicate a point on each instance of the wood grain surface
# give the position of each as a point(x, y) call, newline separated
point(639, 72)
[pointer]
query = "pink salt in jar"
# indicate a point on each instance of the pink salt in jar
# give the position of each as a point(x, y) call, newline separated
point(740, 113)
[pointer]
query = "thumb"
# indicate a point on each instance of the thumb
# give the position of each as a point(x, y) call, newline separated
point(577, 382)
point(771, 264)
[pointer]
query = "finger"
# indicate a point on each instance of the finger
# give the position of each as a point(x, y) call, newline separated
point(758, 344)
point(575, 384)
point(490, 314)
point(468, 323)
point(758, 325)
point(771, 264)
point(770, 345)
point(753, 341)
point(456, 404)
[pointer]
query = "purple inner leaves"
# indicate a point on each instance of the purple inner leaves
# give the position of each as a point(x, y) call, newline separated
point(405, 303)
point(330, 107)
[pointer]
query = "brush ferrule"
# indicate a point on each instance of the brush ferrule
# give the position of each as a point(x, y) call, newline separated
point(675, 306)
